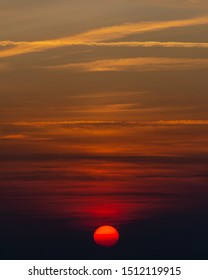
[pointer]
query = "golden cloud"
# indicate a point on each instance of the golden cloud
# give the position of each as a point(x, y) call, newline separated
point(100, 35)
point(141, 64)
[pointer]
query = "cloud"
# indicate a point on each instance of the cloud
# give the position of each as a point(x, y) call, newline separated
point(120, 31)
point(41, 124)
point(183, 122)
point(99, 35)
point(13, 136)
point(141, 64)
point(150, 44)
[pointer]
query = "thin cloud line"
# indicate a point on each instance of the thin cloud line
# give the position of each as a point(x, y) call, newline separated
point(45, 44)
point(141, 64)
point(160, 122)
point(152, 44)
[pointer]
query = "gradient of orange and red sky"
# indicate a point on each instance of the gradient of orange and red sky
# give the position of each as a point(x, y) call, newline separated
point(103, 120)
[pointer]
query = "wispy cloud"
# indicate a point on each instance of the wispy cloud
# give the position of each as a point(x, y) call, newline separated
point(13, 136)
point(120, 31)
point(41, 124)
point(182, 122)
point(141, 64)
point(151, 44)
point(105, 34)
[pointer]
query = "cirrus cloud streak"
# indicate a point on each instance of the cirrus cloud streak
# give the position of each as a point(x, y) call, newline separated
point(141, 64)
point(105, 34)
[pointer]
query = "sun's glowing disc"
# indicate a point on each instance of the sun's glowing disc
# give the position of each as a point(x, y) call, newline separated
point(106, 236)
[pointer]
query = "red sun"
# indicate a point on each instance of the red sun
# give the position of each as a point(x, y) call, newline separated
point(106, 236)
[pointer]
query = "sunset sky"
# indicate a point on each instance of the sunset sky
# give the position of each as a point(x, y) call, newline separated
point(104, 120)
point(111, 60)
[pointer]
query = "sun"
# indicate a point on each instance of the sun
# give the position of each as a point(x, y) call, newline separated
point(106, 236)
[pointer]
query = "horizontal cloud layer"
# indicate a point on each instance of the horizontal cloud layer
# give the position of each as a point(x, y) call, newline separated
point(96, 36)
point(143, 64)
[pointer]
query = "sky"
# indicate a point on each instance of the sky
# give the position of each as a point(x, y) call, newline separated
point(62, 180)
point(103, 120)
point(95, 60)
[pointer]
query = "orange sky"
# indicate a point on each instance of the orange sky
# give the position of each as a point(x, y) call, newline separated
point(112, 60)
point(114, 172)
point(103, 120)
